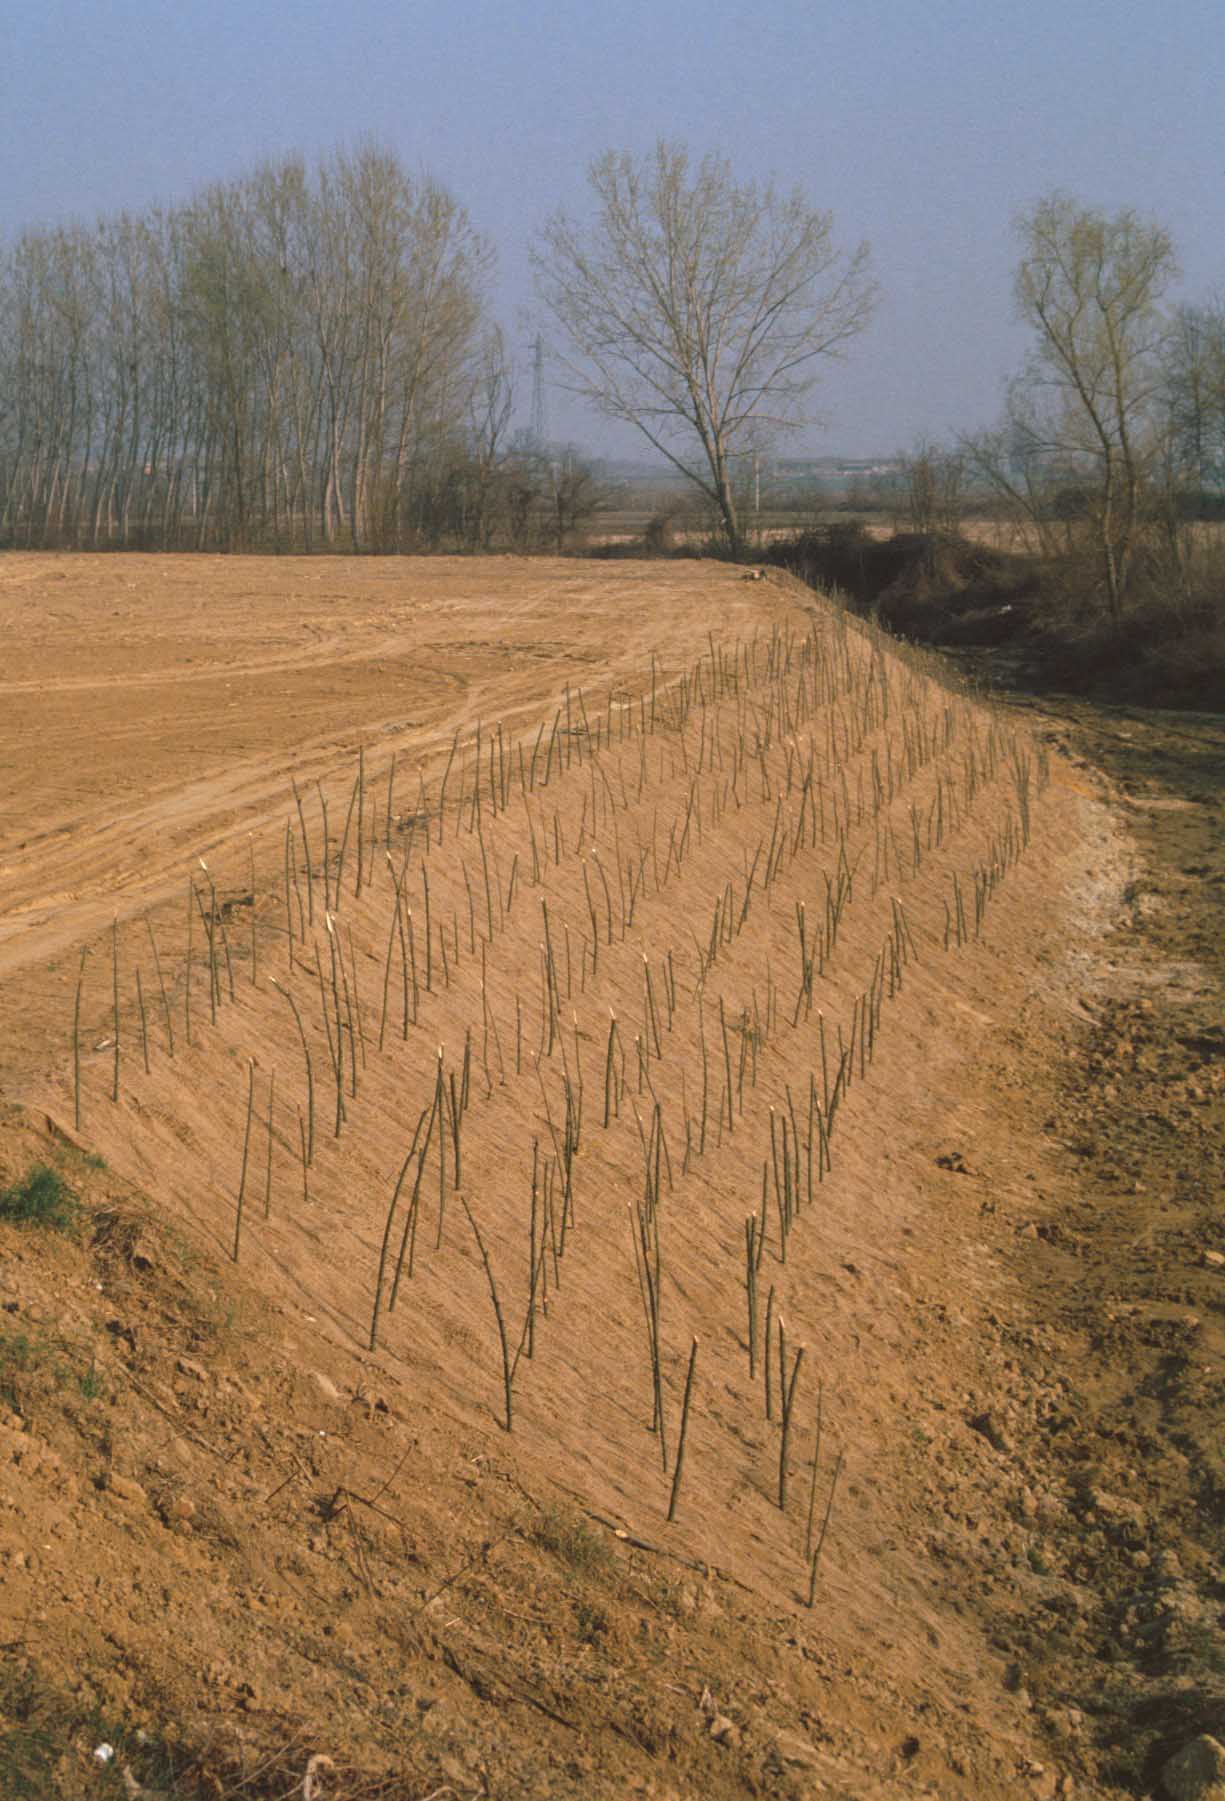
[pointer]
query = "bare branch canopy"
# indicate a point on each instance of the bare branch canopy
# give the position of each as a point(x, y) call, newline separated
point(1091, 285)
point(699, 309)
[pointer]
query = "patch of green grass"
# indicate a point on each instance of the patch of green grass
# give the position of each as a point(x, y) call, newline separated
point(19, 1351)
point(573, 1541)
point(41, 1198)
point(90, 1382)
point(36, 1369)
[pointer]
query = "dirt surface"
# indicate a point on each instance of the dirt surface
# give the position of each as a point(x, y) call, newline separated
point(1125, 1279)
point(234, 1539)
point(153, 709)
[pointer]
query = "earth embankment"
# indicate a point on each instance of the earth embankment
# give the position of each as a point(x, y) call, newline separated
point(646, 958)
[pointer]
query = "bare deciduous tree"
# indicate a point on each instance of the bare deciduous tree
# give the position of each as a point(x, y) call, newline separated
point(932, 483)
point(575, 495)
point(1091, 285)
point(1194, 395)
point(698, 308)
point(284, 359)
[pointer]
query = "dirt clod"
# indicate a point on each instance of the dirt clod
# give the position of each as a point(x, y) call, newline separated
point(1197, 1772)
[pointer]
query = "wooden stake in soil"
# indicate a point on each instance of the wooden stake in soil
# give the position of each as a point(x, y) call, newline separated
point(497, 1308)
point(816, 1556)
point(408, 1239)
point(644, 1232)
point(750, 1285)
point(288, 893)
point(727, 1065)
point(246, 1148)
point(268, 1166)
point(210, 927)
point(816, 1464)
point(344, 841)
point(306, 852)
point(391, 1214)
point(225, 945)
point(338, 1044)
point(157, 965)
point(391, 943)
point(429, 955)
point(788, 1402)
point(768, 1347)
point(191, 896)
point(310, 1078)
point(115, 994)
point(144, 1024)
point(608, 1067)
point(254, 955)
point(391, 783)
point(357, 999)
point(533, 1268)
point(76, 1044)
point(680, 1447)
point(327, 874)
point(361, 817)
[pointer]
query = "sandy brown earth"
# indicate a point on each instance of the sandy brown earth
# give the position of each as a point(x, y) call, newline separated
point(233, 1538)
point(153, 709)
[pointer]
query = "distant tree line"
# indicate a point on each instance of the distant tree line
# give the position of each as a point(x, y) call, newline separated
point(304, 358)
point(294, 360)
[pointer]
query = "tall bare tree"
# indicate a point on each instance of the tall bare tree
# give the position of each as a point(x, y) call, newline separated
point(1092, 286)
point(1194, 396)
point(698, 308)
point(932, 479)
point(276, 361)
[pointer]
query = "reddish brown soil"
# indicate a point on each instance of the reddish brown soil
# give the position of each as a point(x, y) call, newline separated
point(229, 1526)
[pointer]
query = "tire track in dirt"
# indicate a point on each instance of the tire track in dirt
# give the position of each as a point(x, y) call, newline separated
point(102, 772)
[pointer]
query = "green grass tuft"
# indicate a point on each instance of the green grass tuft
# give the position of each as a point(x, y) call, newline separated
point(41, 1198)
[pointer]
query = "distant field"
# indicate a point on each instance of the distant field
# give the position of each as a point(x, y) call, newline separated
point(628, 525)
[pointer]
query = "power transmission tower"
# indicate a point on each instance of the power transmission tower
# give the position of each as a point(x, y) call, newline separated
point(539, 422)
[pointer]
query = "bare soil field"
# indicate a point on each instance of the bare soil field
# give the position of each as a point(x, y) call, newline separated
point(153, 709)
point(646, 1222)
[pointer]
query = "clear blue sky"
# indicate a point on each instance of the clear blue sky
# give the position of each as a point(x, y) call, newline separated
point(923, 124)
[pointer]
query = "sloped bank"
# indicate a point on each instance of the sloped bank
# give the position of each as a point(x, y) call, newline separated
point(694, 887)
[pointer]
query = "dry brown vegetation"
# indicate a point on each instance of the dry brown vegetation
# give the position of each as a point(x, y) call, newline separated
point(540, 1024)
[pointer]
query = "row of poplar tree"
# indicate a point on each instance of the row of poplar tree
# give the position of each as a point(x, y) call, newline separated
point(298, 359)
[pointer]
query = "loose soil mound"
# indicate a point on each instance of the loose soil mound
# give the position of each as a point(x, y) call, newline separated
point(675, 1015)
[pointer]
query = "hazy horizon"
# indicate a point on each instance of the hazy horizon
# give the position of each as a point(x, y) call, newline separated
point(923, 132)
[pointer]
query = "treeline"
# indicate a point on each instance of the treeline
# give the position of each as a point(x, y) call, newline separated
point(294, 360)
